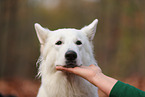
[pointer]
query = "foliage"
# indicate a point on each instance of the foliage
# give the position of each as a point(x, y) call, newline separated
point(119, 42)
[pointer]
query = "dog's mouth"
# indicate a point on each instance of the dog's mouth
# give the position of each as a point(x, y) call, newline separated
point(70, 64)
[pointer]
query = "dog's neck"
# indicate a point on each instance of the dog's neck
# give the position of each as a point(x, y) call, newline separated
point(67, 84)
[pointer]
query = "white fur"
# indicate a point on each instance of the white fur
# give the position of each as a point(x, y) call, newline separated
point(61, 84)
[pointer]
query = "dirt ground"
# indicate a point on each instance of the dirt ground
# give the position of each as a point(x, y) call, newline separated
point(28, 88)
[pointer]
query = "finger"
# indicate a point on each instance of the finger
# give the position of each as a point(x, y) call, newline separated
point(64, 68)
point(75, 70)
point(59, 67)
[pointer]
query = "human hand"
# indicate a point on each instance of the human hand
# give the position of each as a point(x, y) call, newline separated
point(94, 75)
point(87, 72)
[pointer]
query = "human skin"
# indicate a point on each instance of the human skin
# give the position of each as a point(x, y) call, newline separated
point(94, 75)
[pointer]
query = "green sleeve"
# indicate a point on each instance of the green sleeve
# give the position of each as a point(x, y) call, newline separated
point(121, 89)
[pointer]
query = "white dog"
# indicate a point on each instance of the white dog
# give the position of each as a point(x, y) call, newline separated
point(69, 48)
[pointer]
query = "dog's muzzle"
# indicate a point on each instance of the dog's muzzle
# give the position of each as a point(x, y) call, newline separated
point(70, 57)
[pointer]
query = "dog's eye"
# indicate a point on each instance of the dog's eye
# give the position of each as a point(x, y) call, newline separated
point(58, 43)
point(78, 42)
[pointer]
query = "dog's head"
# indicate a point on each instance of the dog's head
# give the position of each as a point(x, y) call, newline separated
point(67, 47)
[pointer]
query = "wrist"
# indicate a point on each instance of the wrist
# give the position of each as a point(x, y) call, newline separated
point(97, 78)
point(104, 82)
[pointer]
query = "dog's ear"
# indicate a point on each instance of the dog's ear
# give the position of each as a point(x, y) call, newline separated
point(41, 33)
point(90, 30)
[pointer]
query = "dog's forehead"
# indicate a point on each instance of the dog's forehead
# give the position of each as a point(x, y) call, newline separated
point(68, 33)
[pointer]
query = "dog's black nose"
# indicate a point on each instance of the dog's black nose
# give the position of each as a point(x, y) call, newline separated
point(70, 55)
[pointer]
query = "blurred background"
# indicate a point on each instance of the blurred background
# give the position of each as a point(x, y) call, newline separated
point(119, 41)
